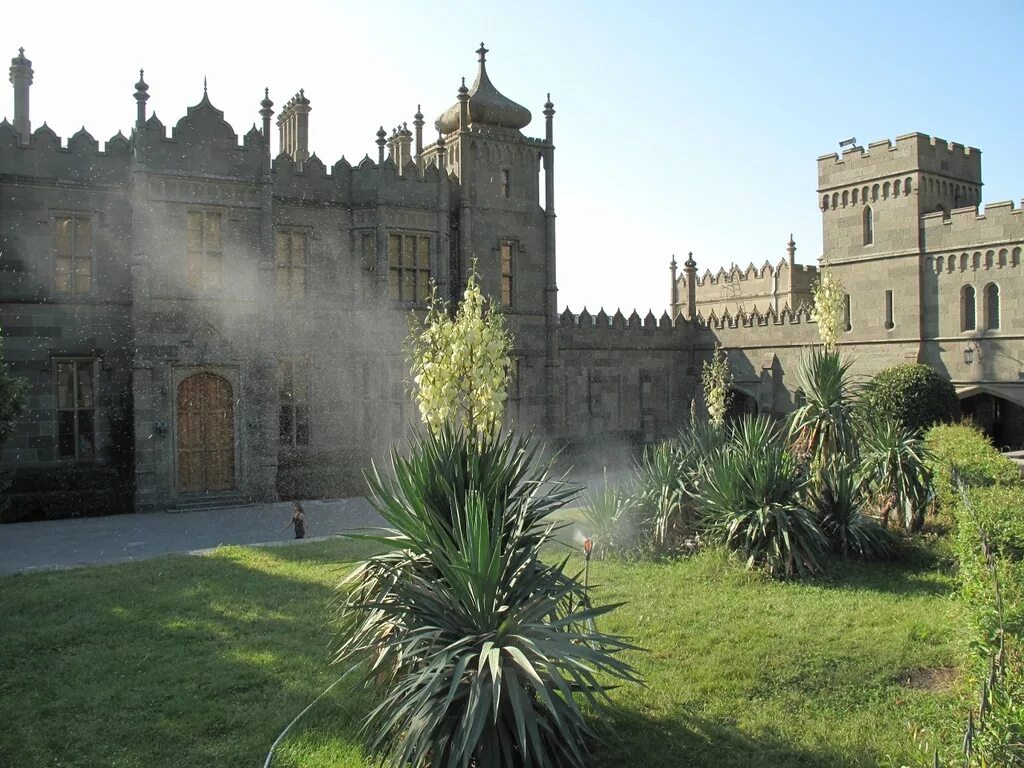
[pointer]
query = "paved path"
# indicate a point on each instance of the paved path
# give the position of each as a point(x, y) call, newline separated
point(85, 541)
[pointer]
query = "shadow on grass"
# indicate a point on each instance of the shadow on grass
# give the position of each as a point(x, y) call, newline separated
point(917, 572)
point(684, 738)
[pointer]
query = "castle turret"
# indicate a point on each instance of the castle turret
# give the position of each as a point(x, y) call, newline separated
point(21, 79)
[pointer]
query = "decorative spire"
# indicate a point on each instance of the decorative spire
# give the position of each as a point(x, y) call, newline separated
point(791, 247)
point(482, 53)
point(417, 119)
point(690, 263)
point(141, 87)
point(673, 266)
point(204, 85)
point(266, 104)
point(549, 108)
point(382, 140)
point(463, 91)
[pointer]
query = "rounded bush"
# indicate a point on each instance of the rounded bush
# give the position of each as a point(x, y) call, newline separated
point(915, 394)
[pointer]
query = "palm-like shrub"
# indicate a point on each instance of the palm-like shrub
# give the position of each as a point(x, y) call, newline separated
point(823, 426)
point(894, 467)
point(478, 646)
point(753, 494)
point(850, 531)
point(605, 518)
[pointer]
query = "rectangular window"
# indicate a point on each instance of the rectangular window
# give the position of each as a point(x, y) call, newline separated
point(506, 274)
point(505, 186)
point(847, 318)
point(290, 259)
point(204, 252)
point(72, 247)
point(889, 324)
point(293, 384)
point(409, 268)
point(76, 409)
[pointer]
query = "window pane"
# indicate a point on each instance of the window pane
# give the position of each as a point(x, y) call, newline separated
point(423, 286)
point(86, 435)
point(281, 249)
point(423, 253)
point(83, 274)
point(83, 235)
point(394, 250)
point(285, 425)
point(282, 282)
point(408, 252)
point(213, 230)
point(298, 249)
point(194, 269)
point(301, 425)
point(62, 235)
point(62, 277)
point(194, 240)
point(212, 272)
point(408, 284)
point(65, 385)
point(85, 385)
point(65, 433)
point(298, 283)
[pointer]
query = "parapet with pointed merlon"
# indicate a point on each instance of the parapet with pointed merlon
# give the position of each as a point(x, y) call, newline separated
point(912, 152)
point(582, 330)
point(964, 228)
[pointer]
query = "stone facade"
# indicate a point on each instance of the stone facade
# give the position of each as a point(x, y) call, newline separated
point(224, 325)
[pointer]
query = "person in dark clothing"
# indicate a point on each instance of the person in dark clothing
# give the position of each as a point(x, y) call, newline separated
point(299, 520)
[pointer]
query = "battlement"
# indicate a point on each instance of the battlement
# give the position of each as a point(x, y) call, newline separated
point(81, 160)
point(757, 319)
point(909, 152)
point(606, 331)
point(967, 227)
point(735, 275)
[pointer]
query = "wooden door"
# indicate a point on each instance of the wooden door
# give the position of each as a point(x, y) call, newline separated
point(206, 434)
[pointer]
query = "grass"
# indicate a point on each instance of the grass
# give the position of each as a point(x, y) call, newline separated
point(198, 661)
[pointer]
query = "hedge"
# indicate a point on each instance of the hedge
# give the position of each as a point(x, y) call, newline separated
point(53, 505)
point(989, 546)
point(966, 449)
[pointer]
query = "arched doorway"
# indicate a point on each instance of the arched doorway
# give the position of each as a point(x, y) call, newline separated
point(206, 434)
point(1001, 419)
point(742, 404)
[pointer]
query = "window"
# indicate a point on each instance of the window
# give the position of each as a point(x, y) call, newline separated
point(889, 324)
point(968, 309)
point(505, 188)
point(409, 267)
point(992, 307)
point(847, 321)
point(293, 381)
point(76, 409)
point(290, 258)
point(72, 246)
point(869, 226)
point(204, 252)
point(506, 274)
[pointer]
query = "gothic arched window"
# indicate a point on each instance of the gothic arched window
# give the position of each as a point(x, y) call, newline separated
point(992, 306)
point(968, 309)
point(869, 226)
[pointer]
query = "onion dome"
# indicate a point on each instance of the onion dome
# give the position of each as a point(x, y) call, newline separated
point(487, 106)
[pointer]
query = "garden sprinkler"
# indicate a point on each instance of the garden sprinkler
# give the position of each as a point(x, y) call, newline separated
point(588, 549)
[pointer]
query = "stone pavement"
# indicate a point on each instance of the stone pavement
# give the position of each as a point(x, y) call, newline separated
point(118, 538)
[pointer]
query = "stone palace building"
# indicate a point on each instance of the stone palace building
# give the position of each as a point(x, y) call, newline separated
point(222, 324)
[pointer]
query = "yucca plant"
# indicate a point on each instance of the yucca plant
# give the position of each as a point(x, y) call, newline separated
point(823, 426)
point(478, 649)
point(604, 518)
point(894, 466)
point(753, 496)
point(658, 497)
point(840, 503)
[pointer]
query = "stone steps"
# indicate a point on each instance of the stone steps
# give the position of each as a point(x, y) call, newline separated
point(203, 501)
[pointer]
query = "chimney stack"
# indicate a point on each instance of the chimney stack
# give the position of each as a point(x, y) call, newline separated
point(21, 79)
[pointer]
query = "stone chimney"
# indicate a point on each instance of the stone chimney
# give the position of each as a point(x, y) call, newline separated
point(21, 79)
point(293, 123)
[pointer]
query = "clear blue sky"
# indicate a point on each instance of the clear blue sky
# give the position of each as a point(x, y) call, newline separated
point(679, 126)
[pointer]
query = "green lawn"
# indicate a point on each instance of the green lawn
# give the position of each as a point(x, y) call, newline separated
point(201, 661)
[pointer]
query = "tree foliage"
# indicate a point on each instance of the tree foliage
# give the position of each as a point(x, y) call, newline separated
point(913, 394)
point(12, 398)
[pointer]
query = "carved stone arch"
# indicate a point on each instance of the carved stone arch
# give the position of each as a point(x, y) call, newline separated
point(976, 261)
point(824, 203)
point(896, 188)
point(885, 190)
point(952, 263)
point(1015, 257)
point(1002, 261)
point(907, 186)
point(990, 258)
point(874, 193)
point(854, 196)
point(846, 198)
point(835, 200)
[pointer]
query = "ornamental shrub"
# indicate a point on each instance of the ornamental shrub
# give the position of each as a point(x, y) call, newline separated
point(965, 449)
point(914, 394)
